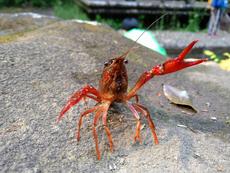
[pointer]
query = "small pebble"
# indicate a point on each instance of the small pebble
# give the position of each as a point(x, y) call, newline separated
point(196, 155)
point(220, 168)
point(181, 125)
point(122, 161)
point(208, 104)
point(143, 126)
point(227, 121)
point(213, 118)
point(112, 166)
point(188, 113)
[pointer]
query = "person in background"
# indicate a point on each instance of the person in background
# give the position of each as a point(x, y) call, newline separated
point(217, 8)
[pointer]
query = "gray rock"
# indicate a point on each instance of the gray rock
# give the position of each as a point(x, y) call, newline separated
point(41, 69)
point(22, 22)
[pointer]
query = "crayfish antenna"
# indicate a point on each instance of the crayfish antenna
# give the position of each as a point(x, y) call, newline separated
point(135, 42)
point(124, 55)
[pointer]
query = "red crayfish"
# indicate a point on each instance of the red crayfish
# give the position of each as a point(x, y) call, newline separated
point(113, 88)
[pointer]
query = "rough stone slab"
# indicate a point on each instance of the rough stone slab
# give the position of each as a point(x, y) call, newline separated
point(41, 69)
point(22, 22)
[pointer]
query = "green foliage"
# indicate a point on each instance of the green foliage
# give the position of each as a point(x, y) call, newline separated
point(194, 21)
point(36, 3)
point(69, 10)
point(175, 22)
point(141, 24)
point(114, 23)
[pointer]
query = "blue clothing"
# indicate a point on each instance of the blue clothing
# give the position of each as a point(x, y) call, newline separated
point(219, 3)
point(216, 13)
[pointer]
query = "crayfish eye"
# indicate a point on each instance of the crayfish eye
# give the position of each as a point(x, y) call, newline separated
point(126, 61)
point(106, 63)
point(161, 68)
point(112, 61)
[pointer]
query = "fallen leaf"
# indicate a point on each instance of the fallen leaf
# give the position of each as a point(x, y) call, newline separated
point(177, 96)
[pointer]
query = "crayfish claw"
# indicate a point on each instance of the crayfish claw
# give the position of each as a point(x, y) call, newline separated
point(178, 63)
point(77, 97)
point(186, 50)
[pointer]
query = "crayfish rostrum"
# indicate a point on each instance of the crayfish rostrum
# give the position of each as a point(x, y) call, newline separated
point(113, 88)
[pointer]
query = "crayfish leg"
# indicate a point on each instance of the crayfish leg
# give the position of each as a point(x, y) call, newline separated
point(146, 113)
point(80, 120)
point(108, 133)
point(137, 134)
point(138, 126)
point(136, 97)
point(101, 111)
point(96, 118)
